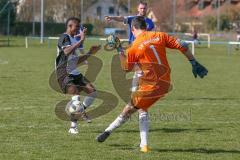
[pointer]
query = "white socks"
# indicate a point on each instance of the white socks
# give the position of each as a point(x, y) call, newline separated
point(116, 123)
point(76, 98)
point(73, 124)
point(143, 127)
point(88, 100)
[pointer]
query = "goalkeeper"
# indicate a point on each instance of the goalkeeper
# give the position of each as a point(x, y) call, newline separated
point(149, 52)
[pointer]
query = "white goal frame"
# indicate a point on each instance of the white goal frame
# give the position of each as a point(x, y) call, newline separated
point(101, 39)
point(104, 39)
point(47, 38)
point(202, 35)
point(193, 46)
point(232, 43)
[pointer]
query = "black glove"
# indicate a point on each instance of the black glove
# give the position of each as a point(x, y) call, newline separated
point(198, 69)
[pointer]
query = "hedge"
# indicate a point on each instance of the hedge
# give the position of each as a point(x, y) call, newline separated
point(50, 29)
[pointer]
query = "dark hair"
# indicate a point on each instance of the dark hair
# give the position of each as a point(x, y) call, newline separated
point(139, 23)
point(143, 3)
point(72, 19)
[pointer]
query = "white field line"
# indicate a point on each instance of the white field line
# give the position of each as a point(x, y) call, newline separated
point(18, 108)
point(2, 62)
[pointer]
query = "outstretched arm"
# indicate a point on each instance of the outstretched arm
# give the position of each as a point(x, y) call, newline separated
point(127, 61)
point(197, 68)
point(189, 55)
point(123, 60)
point(115, 42)
point(115, 18)
point(93, 50)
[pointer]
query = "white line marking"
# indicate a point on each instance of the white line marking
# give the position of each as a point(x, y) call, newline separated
point(3, 62)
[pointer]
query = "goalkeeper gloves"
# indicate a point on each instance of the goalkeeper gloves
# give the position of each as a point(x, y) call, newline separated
point(198, 69)
point(114, 42)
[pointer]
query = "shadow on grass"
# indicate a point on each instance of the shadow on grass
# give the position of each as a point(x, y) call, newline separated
point(123, 146)
point(169, 130)
point(206, 98)
point(191, 150)
point(199, 150)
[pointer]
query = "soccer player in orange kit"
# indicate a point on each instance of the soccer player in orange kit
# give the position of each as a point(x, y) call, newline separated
point(149, 52)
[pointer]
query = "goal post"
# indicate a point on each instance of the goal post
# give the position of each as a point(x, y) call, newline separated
point(202, 35)
point(26, 42)
point(28, 38)
point(230, 44)
point(193, 46)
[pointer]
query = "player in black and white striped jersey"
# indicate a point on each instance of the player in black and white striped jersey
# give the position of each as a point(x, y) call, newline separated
point(70, 79)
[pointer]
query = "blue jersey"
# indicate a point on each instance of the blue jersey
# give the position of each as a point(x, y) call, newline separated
point(128, 21)
point(78, 38)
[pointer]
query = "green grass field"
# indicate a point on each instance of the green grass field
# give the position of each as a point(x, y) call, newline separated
point(199, 119)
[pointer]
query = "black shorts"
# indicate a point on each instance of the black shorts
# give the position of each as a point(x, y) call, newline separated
point(77, 80)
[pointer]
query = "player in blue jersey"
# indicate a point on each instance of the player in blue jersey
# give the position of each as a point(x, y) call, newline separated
point(143, 115)
point(142, 11)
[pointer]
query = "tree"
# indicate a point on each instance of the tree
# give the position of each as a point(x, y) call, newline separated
point(4, 15)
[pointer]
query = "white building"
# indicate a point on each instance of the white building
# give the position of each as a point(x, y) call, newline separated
point(59, 12)
point(101, 8)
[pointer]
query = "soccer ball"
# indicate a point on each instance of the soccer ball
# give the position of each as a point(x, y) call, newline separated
point(75, 106)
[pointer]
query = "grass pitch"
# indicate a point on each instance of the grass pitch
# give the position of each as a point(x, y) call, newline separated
point(199, 119)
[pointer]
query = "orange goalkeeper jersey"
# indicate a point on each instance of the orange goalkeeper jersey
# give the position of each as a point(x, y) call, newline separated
point(148, 51)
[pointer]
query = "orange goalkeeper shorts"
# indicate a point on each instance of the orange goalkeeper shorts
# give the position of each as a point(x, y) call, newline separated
point(146, 96)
